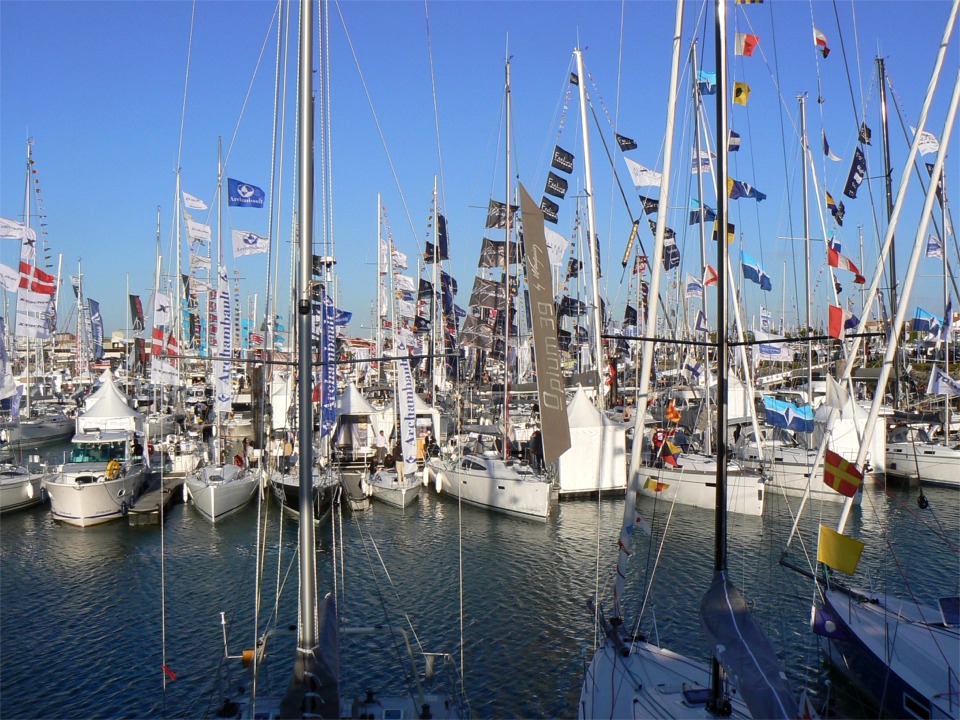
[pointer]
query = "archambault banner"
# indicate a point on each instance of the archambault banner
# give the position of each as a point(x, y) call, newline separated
point(550, 383)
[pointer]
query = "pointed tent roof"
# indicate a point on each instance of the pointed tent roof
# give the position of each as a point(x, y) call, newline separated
point(109, 410)
point(581, 413)
point(351, 402)
point(421, 407)
point(107, 386)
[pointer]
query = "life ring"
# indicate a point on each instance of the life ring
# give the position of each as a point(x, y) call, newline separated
point(113, 470)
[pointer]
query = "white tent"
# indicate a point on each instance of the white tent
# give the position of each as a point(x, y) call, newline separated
point(597, 458)
point(358, 423)
point(108, 410)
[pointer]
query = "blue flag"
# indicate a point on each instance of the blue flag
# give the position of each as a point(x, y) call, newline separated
point(753, 272)
point(924, 321)
point(96, 328)
point(241, 194)
point(787, 415)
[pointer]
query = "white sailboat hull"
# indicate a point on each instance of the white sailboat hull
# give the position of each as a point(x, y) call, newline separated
point(218, 492)
point(81, 495)
point(489, 483)
point(930, 463)
point(649, 681)
point(896, 650)
point(694, 483)
point(385, 487)
point(19, 487)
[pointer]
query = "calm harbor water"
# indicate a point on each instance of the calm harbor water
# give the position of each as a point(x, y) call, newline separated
point(84, 633)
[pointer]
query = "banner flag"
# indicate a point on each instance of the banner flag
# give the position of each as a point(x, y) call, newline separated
point(241, 194)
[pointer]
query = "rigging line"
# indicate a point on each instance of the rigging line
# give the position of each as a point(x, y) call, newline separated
point(376, 120)
point(246, 98)
point(923, 182)
point(433, 89)
point(186, 82)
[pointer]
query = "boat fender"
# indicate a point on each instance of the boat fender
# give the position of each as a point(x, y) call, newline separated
point(124, 508)
point(426, 476)
point(438, 483)
point(922, 501)
point(186, 493)
point(44, 495)
point(28, 488)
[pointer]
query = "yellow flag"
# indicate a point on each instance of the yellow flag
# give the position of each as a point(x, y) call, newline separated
point(741, 91)
point(838, 551)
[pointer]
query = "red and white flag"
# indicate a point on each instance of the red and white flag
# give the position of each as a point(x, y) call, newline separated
point(840, 320)
point(710, 276)
point(821, 40)
point(36, 280)
point(835, 259)
point(157, 347)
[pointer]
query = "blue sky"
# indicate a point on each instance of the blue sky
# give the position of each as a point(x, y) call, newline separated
point(99, 87)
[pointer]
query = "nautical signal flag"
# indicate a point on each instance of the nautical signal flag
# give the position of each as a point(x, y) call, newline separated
point(838, 551)
point(672, 414)
point(706, 82)
point(826, 148)
point(821, 42)
point(741, 93)
point(733, 141)
point(709, 276)
point(842, 475)
point(731, 232)
point(655, 485)
point(668, 453)
point(753, 272)
point(737, 189)
point(835, 259)
point(837, 211)
point(840, 320)
point(745, 44)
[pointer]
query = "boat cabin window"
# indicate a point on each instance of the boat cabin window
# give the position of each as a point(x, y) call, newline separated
point(471, 465)
point(96, 452)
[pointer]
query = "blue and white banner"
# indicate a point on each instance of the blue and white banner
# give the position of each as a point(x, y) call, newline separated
point(249, 243)
point(772, 347)
point(241, 194)
point(942, 384)
point(408, 410)
point(328, 368)
point(787, 415)
point(222, 391)
point(96, 328)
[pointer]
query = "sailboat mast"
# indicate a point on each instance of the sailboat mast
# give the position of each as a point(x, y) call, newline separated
point(888, 192)
point(308, 612)
point(436, 291)
point(591, 233)
point(377, 320)
point(720, 515)
point(805, 151)
point(506, 276)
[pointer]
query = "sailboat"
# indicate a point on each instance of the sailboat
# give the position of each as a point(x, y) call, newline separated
point(393, 486)
point(483, 475)
point(628, 676)
point(314, 686)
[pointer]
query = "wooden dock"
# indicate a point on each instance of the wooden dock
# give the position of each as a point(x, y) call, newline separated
point(147, 509)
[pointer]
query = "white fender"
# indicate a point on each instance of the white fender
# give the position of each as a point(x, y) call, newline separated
point(438, 482)
point(186, 493)
point(29, 490)
point(427, 472)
